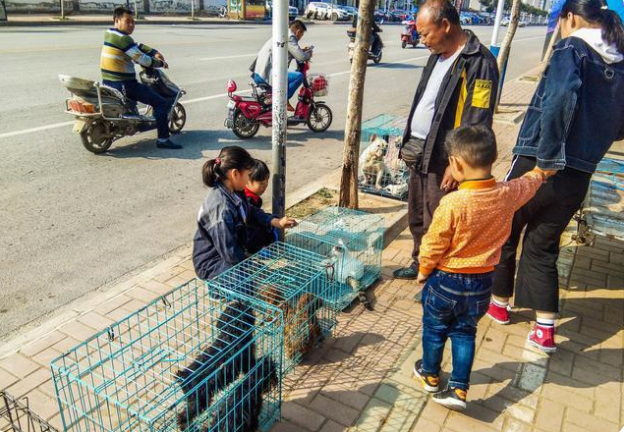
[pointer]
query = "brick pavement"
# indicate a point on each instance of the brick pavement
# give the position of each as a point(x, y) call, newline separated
point(361, 379)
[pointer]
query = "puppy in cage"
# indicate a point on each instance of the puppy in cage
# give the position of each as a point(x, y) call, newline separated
point(221, 237)
point(234, 338)
point(347, 268)
point(240, 410)
point(373, 167)
point(301, 324)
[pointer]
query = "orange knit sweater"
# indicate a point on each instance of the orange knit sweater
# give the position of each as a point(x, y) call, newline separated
point(471, 225)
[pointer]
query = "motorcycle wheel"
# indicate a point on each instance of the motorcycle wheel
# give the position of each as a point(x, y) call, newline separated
point(377, 59)
point(178, 119)
point(403, 45)
point(93, 138)
point(243, 127)
point(320, 118)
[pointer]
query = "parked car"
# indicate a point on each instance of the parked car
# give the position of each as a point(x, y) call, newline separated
point(336, 13)
point(522, 23)
point(397, 15)
point(317, 10)
point(380, 15)
point(293, 12)
point(505, 22)
point(350, 10)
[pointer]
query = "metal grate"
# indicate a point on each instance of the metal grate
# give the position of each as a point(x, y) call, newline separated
point(351, 241)
point(187, 361)
point(16, 416)
point(291, 282)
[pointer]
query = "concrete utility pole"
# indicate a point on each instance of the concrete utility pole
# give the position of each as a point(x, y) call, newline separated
point(279, 83)
point(353, 129)
point(192, 9)
point(500, 8)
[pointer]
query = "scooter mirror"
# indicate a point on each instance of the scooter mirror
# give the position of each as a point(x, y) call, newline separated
point(231, 86)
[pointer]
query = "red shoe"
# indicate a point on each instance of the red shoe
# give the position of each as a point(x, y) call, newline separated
point(498, 313)
point(543, 338)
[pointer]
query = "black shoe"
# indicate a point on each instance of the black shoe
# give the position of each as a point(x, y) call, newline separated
point(168, 145)
point(430, 382)
point(453, 398)
point(408, 273)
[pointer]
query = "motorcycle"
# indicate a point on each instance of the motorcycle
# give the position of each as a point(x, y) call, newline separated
point(247, 114)
point(374, 56)
point(410, 36)
point(104, 114)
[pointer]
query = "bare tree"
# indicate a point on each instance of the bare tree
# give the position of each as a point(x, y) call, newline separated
point(503, 55)
point(353, 128)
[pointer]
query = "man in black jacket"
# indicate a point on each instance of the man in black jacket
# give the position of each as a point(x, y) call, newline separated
point(458, 88)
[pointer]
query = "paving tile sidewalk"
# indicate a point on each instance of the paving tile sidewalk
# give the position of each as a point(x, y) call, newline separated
point(361, 378)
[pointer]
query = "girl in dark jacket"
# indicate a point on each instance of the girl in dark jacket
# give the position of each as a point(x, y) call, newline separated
point(221, 235)
point(576, 114)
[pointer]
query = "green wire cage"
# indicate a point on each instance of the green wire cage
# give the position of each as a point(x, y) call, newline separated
point(292, 282)
point(188, 361)
point(351, 242)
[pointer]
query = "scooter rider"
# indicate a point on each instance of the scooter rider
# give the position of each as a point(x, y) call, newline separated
point(119, 54)
point(262, 66)
point(376, 39)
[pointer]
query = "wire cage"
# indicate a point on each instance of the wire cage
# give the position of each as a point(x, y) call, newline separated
point(351, 241)
point(603, 210)
point(16, 416)
point(381, 171)
point(293, 282)
point(187, 361)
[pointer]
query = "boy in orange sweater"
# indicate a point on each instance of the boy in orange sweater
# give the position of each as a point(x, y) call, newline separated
point(458, 255)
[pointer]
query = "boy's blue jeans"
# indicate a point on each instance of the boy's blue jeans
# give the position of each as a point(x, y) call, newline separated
point(452, 306)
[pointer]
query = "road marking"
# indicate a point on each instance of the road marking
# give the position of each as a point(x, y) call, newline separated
point(228, 57)
point(35, 129)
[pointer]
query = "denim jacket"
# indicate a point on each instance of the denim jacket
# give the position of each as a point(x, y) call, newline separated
point(221, 235)
point(577, 111)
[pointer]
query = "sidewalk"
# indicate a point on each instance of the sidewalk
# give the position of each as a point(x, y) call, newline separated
point(361, 378)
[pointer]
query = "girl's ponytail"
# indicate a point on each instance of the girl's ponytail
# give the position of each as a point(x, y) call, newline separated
point(229, 158)
point(612, 29)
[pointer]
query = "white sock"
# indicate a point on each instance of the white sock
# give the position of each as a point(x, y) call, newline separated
point(162, 140)
point(544, 322)
point(500, 303)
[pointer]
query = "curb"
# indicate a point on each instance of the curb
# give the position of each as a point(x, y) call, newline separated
point(87, 303)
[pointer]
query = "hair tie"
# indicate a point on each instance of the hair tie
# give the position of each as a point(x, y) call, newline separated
point(218, 161)
point(605, 7)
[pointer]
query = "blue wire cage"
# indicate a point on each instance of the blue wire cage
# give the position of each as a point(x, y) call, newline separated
point(187, 361)
point(381, 171)
point(351, 241)
point(294, 283)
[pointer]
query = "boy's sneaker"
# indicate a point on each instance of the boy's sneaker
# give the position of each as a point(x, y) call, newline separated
point(453, 398)
point(430, 382)
point(543, 338)
point(498, 313)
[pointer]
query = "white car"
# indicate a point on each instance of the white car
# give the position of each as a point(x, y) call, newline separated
point(323, 11)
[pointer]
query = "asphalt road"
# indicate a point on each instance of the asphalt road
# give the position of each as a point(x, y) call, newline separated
point(72, 222)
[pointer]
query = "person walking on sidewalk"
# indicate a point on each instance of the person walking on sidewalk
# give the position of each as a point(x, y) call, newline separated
point(457, 88)
point(458, 254)
point(577, 112)
point(221, 236)
point(119, 54)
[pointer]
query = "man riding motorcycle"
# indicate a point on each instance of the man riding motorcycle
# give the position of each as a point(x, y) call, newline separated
point(376, 44)
point(261, 67)
point(119, 54)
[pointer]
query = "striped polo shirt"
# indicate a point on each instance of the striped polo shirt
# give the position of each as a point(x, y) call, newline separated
point(120, 52)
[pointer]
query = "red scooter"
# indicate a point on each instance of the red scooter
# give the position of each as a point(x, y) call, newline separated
point(246, 114)
point(410, 35)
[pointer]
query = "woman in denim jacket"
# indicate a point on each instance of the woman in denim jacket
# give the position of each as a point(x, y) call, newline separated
point(576, 114)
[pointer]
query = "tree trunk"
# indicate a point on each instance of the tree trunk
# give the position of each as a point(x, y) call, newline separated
point(353, 128)
point(551, 46)
point(503, 54)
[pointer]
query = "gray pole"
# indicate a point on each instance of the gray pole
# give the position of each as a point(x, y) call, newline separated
point(192, 9)
point(280, 83)
point(499, 17)
point(62, 9)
